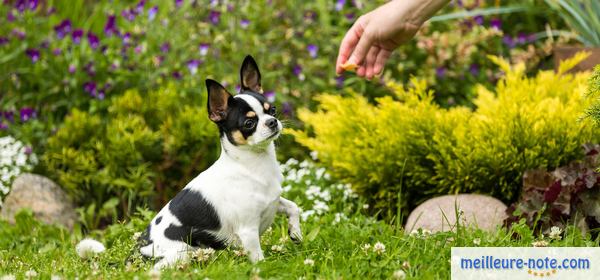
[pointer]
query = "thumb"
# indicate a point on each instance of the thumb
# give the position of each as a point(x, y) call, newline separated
point(362, 48)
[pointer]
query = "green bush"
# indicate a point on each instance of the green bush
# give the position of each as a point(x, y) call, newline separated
point(594, 92)
point(147, 147)
point(407, 149)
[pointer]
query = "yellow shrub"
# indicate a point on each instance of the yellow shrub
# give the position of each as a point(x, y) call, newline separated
point(406, 148)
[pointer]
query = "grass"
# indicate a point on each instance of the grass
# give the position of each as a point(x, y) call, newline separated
point(335, 237)
point(337, 250)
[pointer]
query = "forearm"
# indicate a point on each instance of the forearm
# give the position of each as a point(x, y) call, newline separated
point(419, 11)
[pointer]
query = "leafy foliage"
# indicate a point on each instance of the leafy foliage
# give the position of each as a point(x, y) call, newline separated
point(582, 17)
point(147, 147)
point(408, 149)
point(569, 195)
point(594, 93)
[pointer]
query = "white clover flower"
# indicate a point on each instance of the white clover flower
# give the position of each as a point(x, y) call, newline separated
point(286, 188)
point(8, 277)
point(477, 241)
point(339, 217)
point(540, 243)
point(320, 207)
point(314, 155)
point(154, 274)
point(320, 172)
point(379, 248)
point(203, 254)
point(304, 164)
point(365, 247)
point(306, 214)
point(277, 248)
point(399, 275)
point(291, 161)
point(555, 233)
point(309, 262)
point(31, 273)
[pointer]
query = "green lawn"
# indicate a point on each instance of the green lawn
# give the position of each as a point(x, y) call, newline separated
point(336, 249)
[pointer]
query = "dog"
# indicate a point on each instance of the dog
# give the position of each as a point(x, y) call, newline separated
point(235, 200)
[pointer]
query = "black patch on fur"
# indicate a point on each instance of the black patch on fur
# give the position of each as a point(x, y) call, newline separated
point(144, 239)
point(236, 116)
point(197, 217)
point(158, 220)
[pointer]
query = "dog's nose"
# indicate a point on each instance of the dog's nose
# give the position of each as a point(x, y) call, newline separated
point(271, 123)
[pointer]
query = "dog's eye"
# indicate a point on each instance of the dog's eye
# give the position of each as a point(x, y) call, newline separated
point(272, 111)
point(249, 124)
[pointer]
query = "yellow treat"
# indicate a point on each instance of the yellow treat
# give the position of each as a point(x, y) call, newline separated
point(349, 66)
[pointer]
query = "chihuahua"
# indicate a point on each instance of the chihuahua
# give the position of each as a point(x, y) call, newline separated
point(235, 200)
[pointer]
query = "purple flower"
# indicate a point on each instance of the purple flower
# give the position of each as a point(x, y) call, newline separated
point(76, 36)
point(203, 48)
point(298, 72)
point(72, 68)
point(165, 47)
point(312, 50)
point(238, 88)
point(56, 51)
point(138, 49)
point(152, 13)
point(34, 54)
point(178, 3)
point(244, 23)
point(214, 3)
point(33, 4)
point(440, 72)
point(9, 116)
point(192, 65)
point(90, 88)
point(63, 28)
point(50, 11)
point(10, 17)
point(21, 5)
point(496, 23)
point(508, 41)
point(18, 33)
point(214, 17)
point(128, 14)
point(339, 5)
point(478, 20)
point(522, 38)
point(27, 113)
point(270, 95)
point(339, 81)
point(28, 150)
point(474, 69)
point(286, 109)
point(126, 38)
point(350, 16)
point(3, 126)
point(176, 75)
point(90, 69)
point(93, 40)
point(139, 8)
point(3, 40)
point(45, 44)
point(111, 26)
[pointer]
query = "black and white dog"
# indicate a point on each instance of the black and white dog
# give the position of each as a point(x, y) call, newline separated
point(235, 200)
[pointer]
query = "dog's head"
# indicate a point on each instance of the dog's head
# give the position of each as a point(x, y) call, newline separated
point(246, 119)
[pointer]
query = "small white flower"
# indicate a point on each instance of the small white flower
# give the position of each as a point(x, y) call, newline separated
point(239, 253)
point(309, 262)
point(136, 235)
point(399, 275)
point(314, 155)
point(540, 243)
point(339, 217)
point(8, 276)
point(555, 233)
point(277, 248)
point(31, 273)
point(154, 274)
point(320, 207)
point(379, 248)
point(365, 206)
point(89, 247)
point(203, 254)
point(55, 277)
point(366, 247)
point(477, 241)
point(405, 265)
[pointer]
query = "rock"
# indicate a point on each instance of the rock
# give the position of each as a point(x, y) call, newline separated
point(480, 211)
point(49, 203)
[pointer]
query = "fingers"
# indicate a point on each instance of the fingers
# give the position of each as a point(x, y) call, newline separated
point(380, 61)
point(350, 40)
point(370, 62)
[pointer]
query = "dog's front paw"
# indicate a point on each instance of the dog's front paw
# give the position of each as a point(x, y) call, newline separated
point(295, 234)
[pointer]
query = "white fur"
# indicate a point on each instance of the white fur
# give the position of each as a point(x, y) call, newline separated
point(89, 247)
point(244, 187)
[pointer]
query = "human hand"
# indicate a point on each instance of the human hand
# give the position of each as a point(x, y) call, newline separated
point(371, 40)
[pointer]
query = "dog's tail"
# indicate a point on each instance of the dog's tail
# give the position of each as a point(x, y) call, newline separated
point(89, 247)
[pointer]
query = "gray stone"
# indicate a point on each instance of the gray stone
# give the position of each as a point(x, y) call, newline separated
point(439, 214)
point(49, 203)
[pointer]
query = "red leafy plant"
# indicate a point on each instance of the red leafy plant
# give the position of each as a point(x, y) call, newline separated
point(569, 195)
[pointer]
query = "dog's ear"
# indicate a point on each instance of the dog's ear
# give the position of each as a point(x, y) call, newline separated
point(218, 99)
point(250, 75)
